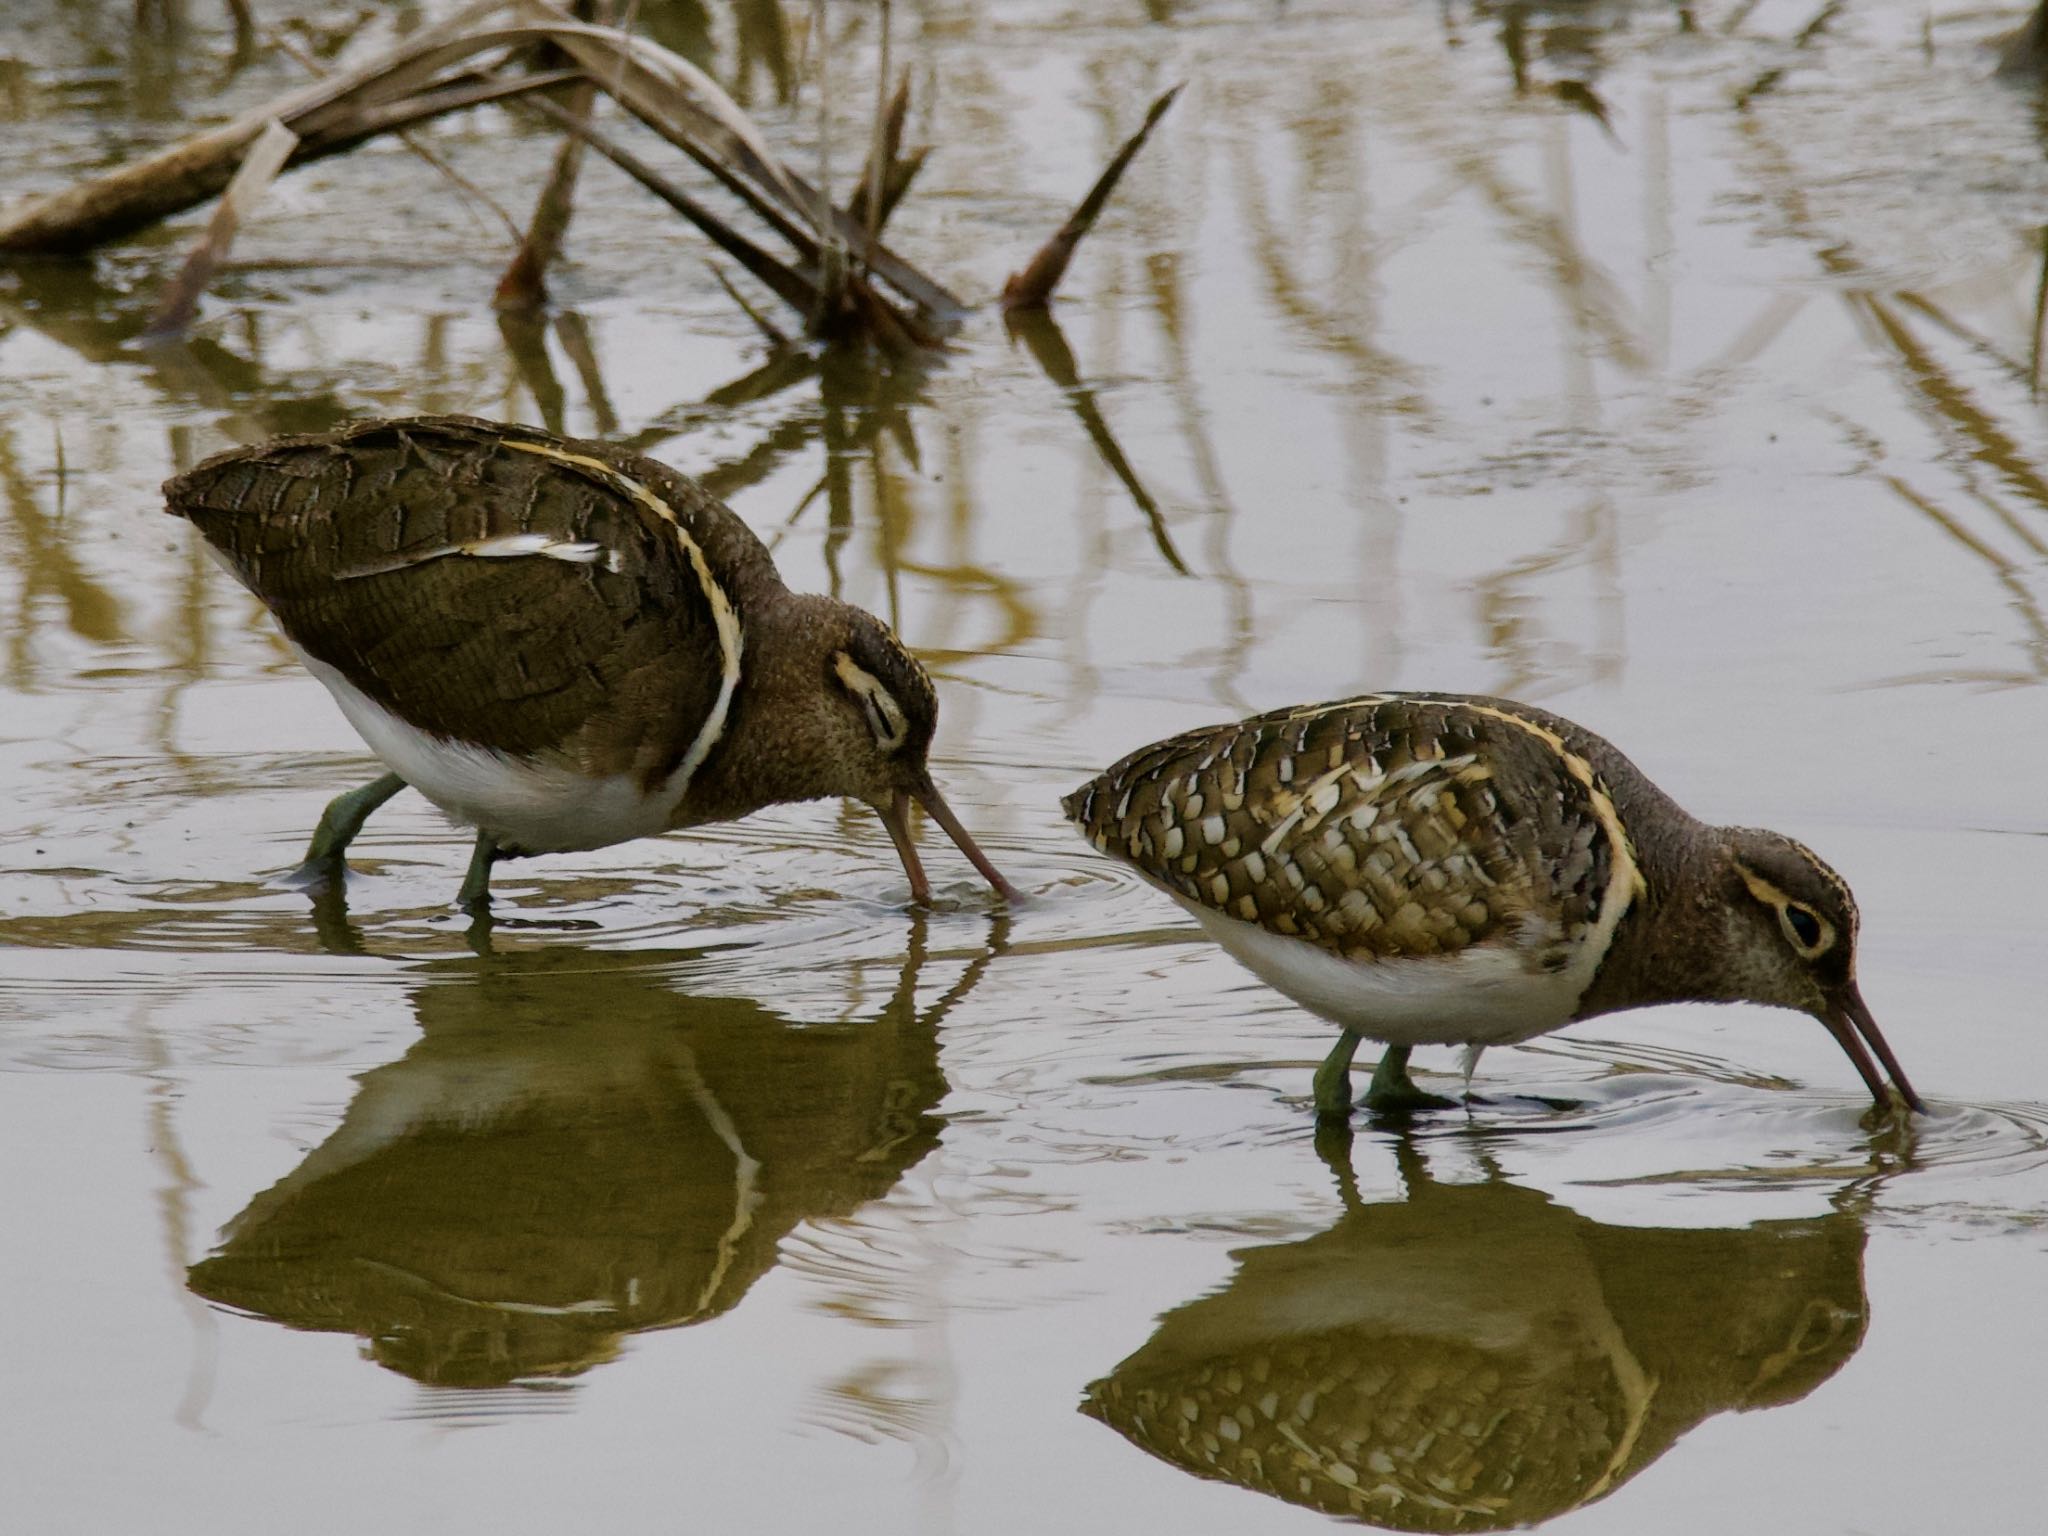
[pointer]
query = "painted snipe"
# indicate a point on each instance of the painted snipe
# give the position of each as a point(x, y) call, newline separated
point(560, 643)
point(1431, 869)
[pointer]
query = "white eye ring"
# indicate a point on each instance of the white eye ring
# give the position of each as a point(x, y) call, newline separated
point(885, 715)
point(878, 723)
point(1824, 932)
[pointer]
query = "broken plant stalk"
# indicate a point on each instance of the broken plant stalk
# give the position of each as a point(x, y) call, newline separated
point(1033, 287)
point(524, 284)
point(266, 157)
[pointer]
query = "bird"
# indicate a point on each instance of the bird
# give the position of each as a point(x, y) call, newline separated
point(1449, 869)
point(1479, 1355)
point(561, 643)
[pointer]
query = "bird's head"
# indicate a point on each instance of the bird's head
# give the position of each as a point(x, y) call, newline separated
point(1793, 945)
point(870, 735)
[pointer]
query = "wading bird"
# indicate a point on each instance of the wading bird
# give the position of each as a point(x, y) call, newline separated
point(560, 643)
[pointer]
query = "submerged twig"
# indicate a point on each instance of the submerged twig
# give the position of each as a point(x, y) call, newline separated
point(1031, 288)
point(266, 157)
point(1581, 97)
point(524, 284)
point(574, 337)
point(1737, 17)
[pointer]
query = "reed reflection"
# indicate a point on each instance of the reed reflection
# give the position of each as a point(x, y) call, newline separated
point(1476, 1356)
point(573, 1152)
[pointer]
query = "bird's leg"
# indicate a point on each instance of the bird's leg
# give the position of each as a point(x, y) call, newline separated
point(1393, 1092)
point(339, 824)
point(475, 895)
point(1333, 1079)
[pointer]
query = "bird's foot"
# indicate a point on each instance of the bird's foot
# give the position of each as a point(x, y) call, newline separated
point(317, 876)
point(1393, 1094)
point(1401, 1100)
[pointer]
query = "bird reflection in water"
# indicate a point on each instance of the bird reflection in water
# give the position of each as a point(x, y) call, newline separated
point(575, 1151)
point(1477, 1356)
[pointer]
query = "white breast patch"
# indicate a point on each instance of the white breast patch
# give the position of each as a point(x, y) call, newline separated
point(1486, 995)
point(535, 807)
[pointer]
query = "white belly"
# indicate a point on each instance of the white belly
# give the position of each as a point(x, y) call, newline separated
point(534, 807)
point(1481, 996)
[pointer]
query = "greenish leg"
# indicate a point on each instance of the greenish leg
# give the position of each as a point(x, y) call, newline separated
point(1333, 1079)
point(1393, 1092)
point(339, 824)
point(475, 895)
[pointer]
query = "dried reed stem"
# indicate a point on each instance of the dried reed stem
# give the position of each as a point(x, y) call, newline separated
point(266, 157)
point(1033, 287)
point(144, 191)
point(524, 284)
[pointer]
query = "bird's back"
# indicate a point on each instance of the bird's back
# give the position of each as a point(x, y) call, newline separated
point(1384, 827)
point(492, 584)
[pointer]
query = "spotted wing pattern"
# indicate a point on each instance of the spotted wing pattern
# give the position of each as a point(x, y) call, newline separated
point(1383, 826)
point(495, 585)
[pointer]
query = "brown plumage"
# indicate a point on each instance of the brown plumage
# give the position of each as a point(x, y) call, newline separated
point(1435, 868)
point(354, 540)
point(561, 643)
point(1393, 828)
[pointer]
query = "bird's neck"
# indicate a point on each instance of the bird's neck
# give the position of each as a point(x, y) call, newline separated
point(1675, 942)
point(768, 755)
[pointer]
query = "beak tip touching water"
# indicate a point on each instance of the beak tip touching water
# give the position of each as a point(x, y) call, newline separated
point(895, 814)
point(1848, 1020)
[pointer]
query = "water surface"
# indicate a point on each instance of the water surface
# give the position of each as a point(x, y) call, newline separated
point(719, 1189)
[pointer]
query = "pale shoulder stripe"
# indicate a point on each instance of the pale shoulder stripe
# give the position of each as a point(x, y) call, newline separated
point(724, 616)
point(505, 547)
point(1625, 880)
point(1305, 713)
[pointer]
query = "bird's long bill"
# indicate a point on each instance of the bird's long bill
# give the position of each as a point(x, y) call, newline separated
point(895, 814)
point(1849, 1021)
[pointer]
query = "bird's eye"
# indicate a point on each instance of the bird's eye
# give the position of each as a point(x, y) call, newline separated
point(1806, 927)
point(884, 715)
point(877, 721)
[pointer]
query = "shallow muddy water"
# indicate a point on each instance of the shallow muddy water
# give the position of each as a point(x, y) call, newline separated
point(719, 1189)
